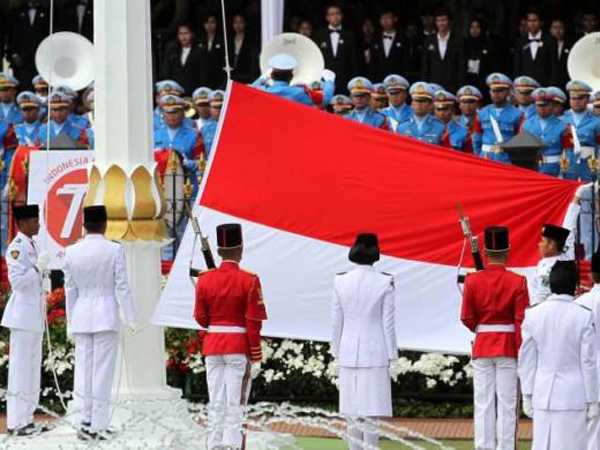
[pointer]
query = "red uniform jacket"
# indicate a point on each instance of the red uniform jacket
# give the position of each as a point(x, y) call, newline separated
point(230, 296)
point(495, 296)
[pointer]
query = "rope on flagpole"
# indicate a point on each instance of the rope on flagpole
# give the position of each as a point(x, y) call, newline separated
point(227, 65)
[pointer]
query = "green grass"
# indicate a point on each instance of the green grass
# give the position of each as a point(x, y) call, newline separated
point(336, 444)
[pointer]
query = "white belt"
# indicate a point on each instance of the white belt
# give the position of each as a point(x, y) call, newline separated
point(586, 151)
point(489, 148)
point(550, 159)
point(225, 329)
point(498, 328)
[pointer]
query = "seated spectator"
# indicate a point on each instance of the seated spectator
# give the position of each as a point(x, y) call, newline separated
point(341, 104)
point(469, 99)
point(444, 104)
point(398, 111)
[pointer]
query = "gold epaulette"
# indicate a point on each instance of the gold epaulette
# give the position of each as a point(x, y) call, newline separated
point(247, 271)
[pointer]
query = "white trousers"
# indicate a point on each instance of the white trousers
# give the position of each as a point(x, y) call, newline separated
point(495, 398)
point(229, 384)
point(24, 373)
point(559, 430)
point(593, 434)
point(95, 358)
point(364, 433)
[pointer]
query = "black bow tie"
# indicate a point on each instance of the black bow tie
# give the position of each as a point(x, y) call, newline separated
point(338, 30)
point(535, 40)
point(387, 36)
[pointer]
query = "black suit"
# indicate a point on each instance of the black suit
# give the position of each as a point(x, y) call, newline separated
point(212, 74)
point(23, 41)
point(344, 63)
point(447, 72)
point(68, 19)
point(562, 74)
point(245, 63)
point(544, 68)
point(395, 62)
point(187, 75)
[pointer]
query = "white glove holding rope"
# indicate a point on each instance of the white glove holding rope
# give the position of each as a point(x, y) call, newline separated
point(527, 406)
point(585, 188)
point(328, 75)
point(43, 260)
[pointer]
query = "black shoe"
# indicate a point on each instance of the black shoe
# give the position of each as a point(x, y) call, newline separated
point(27, 430)
point(43, 427)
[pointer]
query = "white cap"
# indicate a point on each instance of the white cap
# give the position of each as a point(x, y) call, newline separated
point(282, 61)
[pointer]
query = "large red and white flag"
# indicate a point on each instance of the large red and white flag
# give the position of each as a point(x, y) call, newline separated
point(303, 183)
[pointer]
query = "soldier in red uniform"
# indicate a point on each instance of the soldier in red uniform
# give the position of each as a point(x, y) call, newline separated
point(229, 306)
point(494, 302)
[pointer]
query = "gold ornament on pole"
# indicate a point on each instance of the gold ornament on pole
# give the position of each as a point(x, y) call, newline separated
point(135, 204)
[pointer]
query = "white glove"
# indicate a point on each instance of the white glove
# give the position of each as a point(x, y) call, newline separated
point(592, 410)
point(132, 327)
point(391, 371)
point(581, 190)
point(527, 406)
point(42, 262)
point(328, 75)
point(255, 370)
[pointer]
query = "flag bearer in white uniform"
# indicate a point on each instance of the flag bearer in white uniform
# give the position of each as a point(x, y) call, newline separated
point(494, 302)
point(591, 300)
point(557, 365)
point(25, 317)
point(96, 284)
point(552, 249)
point(364, 340)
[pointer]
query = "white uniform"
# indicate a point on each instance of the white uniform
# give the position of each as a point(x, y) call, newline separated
point(25, 316)
point(364, 343)
point(557, 367)
point(591, 300)
point(95, 276)
point(540, 285)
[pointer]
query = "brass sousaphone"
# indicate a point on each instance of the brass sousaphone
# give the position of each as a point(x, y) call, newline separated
point(584, 60)
point(305, 52)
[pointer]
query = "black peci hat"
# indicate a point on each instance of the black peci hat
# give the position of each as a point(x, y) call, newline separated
point(95, 214)
point(26, 212)
point(365, 249)
point(556, 233)
point(563, 278)
point(229, 235)
point(496, 239)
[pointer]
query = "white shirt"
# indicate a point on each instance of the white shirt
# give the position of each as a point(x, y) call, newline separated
point(335, 39)
point(443, 44)
point(238, 42)
point(185, 52)
point(534, 46)
point(388, 40)
point(32, 13)
point(80, 14)
point(560, 46)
